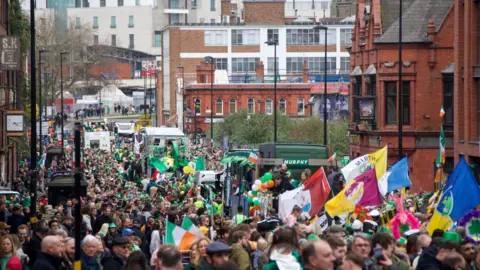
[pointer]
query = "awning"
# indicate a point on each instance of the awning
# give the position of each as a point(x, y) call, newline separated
point(449, 69)
point(371, 70)
point(332, 88)
point(356, 72)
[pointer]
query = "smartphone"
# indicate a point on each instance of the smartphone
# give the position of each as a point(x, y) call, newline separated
point(378, 253)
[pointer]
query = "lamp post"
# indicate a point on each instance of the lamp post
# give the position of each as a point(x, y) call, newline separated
point(274, 43)
point(61, 99)
point(210, 59)
point(181, 91)
point(40, 95)
point(400, 84)
point(33, 102)
point(325, 141)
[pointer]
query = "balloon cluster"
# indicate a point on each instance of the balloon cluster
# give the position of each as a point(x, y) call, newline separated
point(260, 185)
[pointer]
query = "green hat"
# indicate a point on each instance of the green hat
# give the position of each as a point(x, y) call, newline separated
point(402, 241)
point(451, 236)
point(112, 225)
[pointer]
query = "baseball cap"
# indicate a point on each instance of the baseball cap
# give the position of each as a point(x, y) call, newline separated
point(127, 232)
point(217, 247)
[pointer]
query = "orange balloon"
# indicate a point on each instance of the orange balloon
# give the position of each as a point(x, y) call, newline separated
point(270, 183)
point(263, 185)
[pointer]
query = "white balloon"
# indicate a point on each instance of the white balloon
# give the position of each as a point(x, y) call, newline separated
point(254, 187)
point(258, 182)
point(250, 193)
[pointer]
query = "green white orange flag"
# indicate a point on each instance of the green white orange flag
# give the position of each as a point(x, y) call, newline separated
point(333, 157)
point(177, 236)
point(442, 112)
point(252, 158)
point(188, 226)
point(441, 151)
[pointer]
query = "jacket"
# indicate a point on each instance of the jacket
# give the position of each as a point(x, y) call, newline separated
point(397, 264)
point(113, 262)
point(204, 265)
point(240, 256)
point(32, 249)
point(16, 220)
point(428, 259)
point(89, 263)
point(46, 262)
point(99, 222)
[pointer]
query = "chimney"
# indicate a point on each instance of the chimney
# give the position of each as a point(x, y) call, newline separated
point(204, 72)
point(260, 71)
point(305, 72)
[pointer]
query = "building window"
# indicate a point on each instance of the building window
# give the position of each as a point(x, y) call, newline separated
point(344, 65)
point(120, 3)
point(194, 4)
point(131, 41)
point(174, 19)
point(77, 23)
point(345, 37)
point(406, 103)
point(245, 37)
point(131, 21)
point(272, 35)
point(158, 40)
point(240, 65)
point(197, 106)
point(251, 105)
point(268, 106)
point(300, 106)
point(114, 40)
point(212, 5)
point(372, 85)
point(233, 106)
point(331, 37)
point(221, 63)
point(271, 64)
point(391, 103)
point(113, 22)
point(215, 38)
point(283, 106)
point(219, 106)
point(95, 22)
point(137, 2)
point(95, 39)
point(303, 37)
point(173, 3)
point(315, 64)
point(357, 92)
point(448, 101)
point(103, 3)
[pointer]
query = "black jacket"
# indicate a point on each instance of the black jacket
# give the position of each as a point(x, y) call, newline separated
point(112, 262)
point(32, 249)
point(16, 220)
point(428, 259)
point(204, 265)
point(46, 262)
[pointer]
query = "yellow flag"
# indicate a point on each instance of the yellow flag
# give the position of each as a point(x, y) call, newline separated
point(379, 161)
point(345, 200)
point(438, 221)
point(366, 162)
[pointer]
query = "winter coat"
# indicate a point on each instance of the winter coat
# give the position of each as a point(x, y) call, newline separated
point(428, 259)
point(113, 262)
point(46, 262)
point(240, 256)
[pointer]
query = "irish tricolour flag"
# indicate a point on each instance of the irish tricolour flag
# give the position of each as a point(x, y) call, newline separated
point(175, 235)
point(188, 226)
point(333, 157)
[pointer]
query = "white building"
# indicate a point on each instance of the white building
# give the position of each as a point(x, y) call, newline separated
point(307, 8)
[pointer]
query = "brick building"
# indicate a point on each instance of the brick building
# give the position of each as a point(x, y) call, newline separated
point(428, 32)
point(238, 47)
point(467, 81)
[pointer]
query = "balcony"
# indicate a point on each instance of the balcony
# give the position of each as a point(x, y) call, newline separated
point(175, 9)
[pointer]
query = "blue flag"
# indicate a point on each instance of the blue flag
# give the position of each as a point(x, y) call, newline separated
point(461, 193)
point(395, 178)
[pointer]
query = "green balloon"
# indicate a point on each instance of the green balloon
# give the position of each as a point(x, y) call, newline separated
point(268, 176)
point(254, 192)
point(256, 202)
point(250, 200)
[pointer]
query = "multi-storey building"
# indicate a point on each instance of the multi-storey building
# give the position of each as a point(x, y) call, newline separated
point(343, 8)
point(427, 80)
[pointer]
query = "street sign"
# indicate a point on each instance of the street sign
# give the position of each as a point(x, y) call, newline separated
point(10, 53)
point(296, 161)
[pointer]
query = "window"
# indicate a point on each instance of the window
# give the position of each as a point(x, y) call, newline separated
point(283, 106)
point(103, 3)
point(173, 3)
point(157, 43)
point(344, 65)
point(406, 103)
point(268, 106)
point(197, 106)
point(315, 64)
point(300, 106)
point(251, 105)
point(215, 38)
point(331, 37)
point(131, 22)
point(219, 106)
point(77, 23)
point(212, 5)
point(244, 64)
point(137, 2)
point(113, 22)
point(95, 22)
point(271, 64)
point(194, 4)
point(272, 34)
point(357, 92)
point(78, 4)
point(372, 85)
point(245, 37)
point(114, 40)
point(391, 103)
point(212, 21)
point(346, 37)
point(131, 41)
point(221, 63)
point(233, 106)
point(294, 64)
point(95, 39)
point(448, 101)
point(120, 3)
point(303, 37)
point(174, 19)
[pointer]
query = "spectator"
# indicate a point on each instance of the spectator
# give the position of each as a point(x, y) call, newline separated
point(353, 261)
point(317, 255)
point(104, 218)
point(8, 254)
point(3, 211)
point(284, 250)
point(89, 252)
point(34, 245)
point(118, 254)
point(361, 245)
point(453, 261)
point(339, 249)
point(51, 253)
point(468, 252)
point(111, 235)
point(423, 241)
point(169, 257)
point(239, 255)
point(16, 219)
point(432, 257)
point(336, 231)
point(54, 225)
point(136, 261)
point(22, 235)
point(4, 229)
point(386, 242)
point(68, 254)
point(217, 254)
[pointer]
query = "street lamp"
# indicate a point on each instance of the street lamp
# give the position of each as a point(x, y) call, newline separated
point(181, 91)
point(61, 98)
point(322, 27)
point(274, 44)
point(40, 95)
point(210, 59)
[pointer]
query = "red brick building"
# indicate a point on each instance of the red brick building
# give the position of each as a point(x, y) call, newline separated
point(466, 96)
point(428, 33)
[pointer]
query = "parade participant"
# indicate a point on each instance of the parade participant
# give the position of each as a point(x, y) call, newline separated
point(51, 253)
point(118, 254)
point(216, 254)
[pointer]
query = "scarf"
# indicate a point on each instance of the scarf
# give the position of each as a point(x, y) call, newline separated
point(284, 261)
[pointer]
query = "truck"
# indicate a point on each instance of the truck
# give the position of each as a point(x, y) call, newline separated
point(125, 129)
point(99, 139)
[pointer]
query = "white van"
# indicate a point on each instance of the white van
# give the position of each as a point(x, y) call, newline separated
point(208, 177)
point(99, 139)
point(125, 129)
